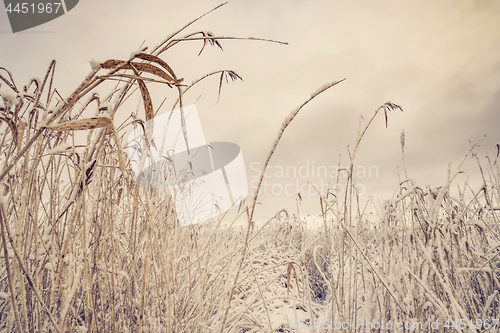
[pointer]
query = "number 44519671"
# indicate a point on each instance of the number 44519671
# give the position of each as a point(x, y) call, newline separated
point(40, 8)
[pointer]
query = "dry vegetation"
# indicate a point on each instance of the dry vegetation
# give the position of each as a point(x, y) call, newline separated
point(84, 249)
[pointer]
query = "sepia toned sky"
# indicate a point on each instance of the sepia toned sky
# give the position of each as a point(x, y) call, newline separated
point(438, 60)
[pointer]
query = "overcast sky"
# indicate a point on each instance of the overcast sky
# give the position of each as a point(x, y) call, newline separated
point(438, 60)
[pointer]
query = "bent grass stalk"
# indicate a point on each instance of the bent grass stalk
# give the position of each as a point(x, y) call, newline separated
point(285, 124)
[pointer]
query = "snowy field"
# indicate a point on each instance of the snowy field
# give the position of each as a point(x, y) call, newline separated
point(85, 249)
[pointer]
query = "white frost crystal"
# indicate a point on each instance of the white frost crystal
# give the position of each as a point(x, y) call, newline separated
point(94, 64)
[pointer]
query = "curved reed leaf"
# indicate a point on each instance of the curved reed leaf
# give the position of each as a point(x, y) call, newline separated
point(82, 124)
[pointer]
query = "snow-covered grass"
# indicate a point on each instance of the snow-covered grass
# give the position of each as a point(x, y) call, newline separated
point(84, 249)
